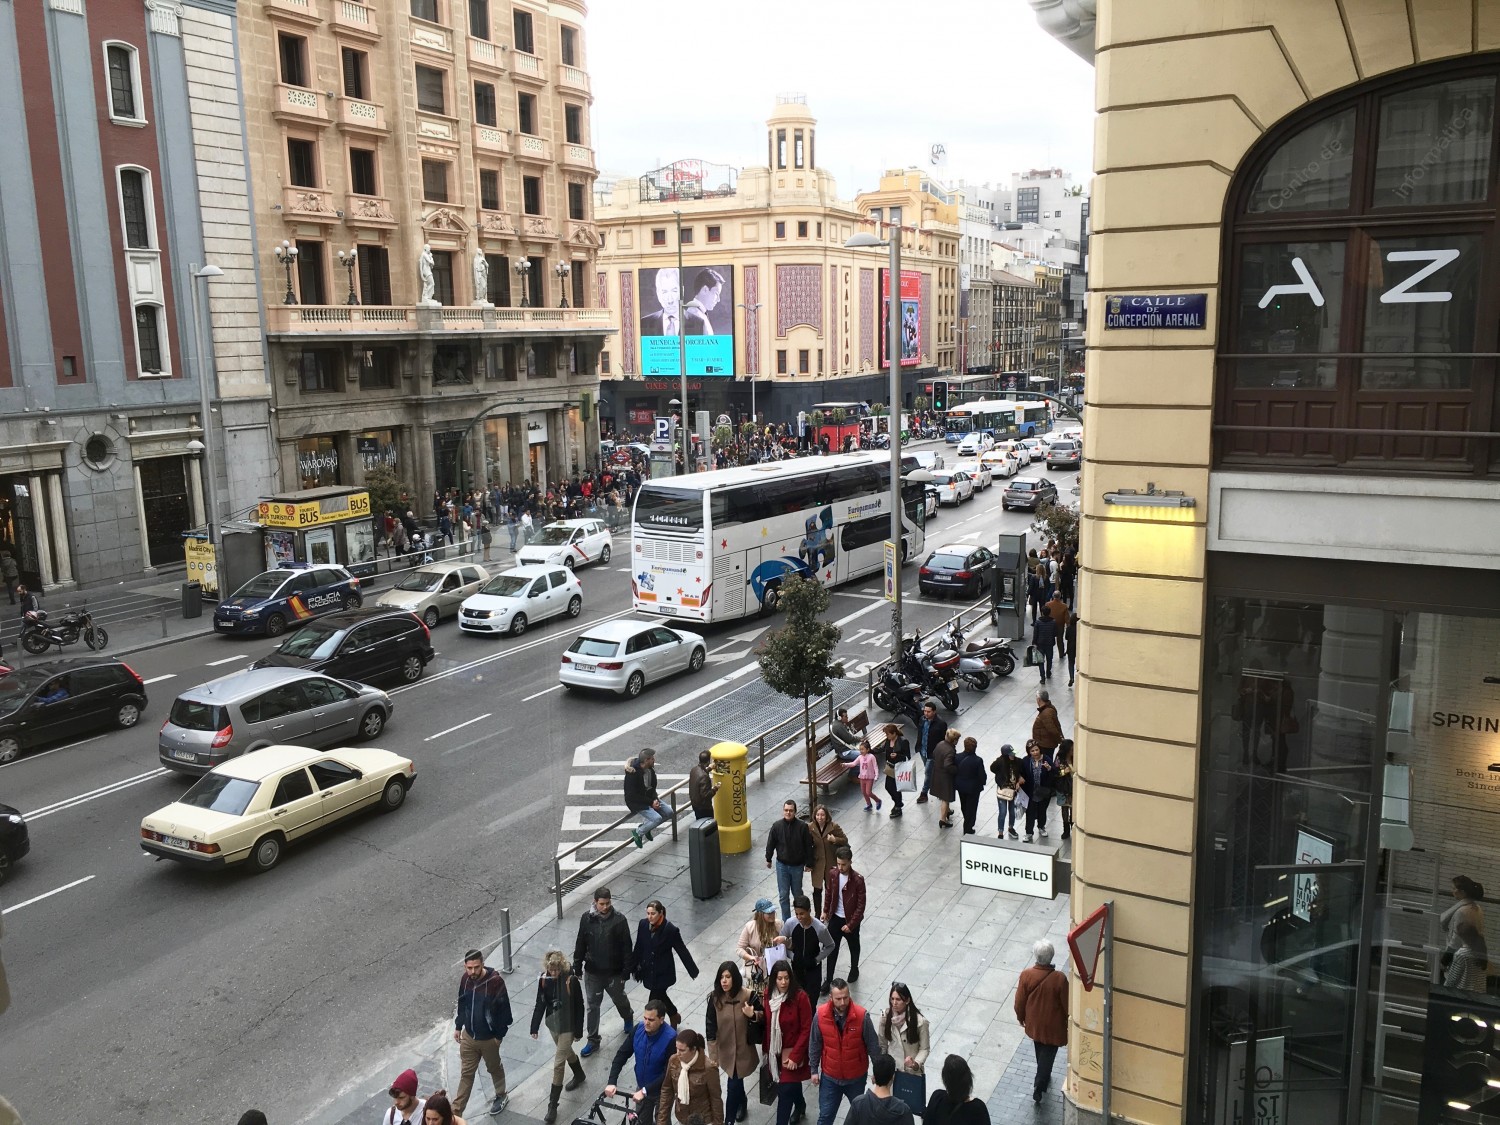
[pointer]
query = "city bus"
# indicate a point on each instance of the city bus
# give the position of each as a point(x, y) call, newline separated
point(999, 417)
point(717, 546)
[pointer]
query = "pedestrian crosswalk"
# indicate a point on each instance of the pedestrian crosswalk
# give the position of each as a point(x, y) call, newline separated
point(594, 801)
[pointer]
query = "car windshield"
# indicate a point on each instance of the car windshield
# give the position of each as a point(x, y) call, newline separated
point(312, 642)
point(190, 714)
point(262, 585)
point(1024, 485)
point(422, 580)
point(16, 688)
point(554, 536)
point(217, 793)
point(942, 478)
point(592, 646)
point(506, 585)
point(945, 562)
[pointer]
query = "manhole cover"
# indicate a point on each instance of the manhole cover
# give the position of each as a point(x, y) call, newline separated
point(753, 709)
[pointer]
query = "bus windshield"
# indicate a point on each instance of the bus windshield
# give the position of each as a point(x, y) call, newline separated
point(669, 509)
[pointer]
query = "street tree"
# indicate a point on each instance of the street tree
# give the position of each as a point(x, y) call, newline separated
point(1057, 521)
point(385, 489)
point(798, 659)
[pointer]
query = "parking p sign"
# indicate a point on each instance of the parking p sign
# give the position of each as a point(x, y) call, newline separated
point(664, 429)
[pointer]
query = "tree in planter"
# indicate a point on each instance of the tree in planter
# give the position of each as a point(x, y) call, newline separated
point(920, 402)
point(798, 659)
point(724, 438)
point(1057, 521)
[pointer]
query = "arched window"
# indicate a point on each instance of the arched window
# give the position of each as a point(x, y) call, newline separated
point(135, 209)
point(1361, 310)
point(122, 72)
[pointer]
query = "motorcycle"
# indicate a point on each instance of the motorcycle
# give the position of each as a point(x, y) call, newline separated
point(37, 636)
point(994, 651)
point(893, 692)
point(935, 671)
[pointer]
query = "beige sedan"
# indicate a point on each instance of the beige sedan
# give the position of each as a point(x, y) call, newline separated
point(249, 808)
point(435, 591)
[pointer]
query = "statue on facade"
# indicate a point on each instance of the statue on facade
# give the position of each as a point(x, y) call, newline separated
point(424, 270)
point(481, 280)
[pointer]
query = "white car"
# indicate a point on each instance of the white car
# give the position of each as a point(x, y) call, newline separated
point(1035, 448)
point(974, 444)
point(953, 487)
point(514, 601)
point(570, 543)
point(978, 472)
point(1001, 462)
point(624, 656)
point(434, 591)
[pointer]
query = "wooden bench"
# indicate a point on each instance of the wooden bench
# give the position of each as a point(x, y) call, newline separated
point(833, 772)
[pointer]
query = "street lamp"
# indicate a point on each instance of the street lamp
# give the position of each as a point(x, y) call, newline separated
point(349, 261)
point(687, 444)
point(523, 272)
point(196, 277)
point(893, 350)
point(752, 328)
point(286, 254)
point(562, 271)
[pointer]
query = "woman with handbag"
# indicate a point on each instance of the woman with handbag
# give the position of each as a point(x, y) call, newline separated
point(944, 775)
point(786, 1022)
point(905, 1036)
point(731, 1036)
point(760, 933)
point(827, 839)
point(1007, 772)
point(1037, 775)
point(559, 1000)
point(691, 1087)
point(897, 750)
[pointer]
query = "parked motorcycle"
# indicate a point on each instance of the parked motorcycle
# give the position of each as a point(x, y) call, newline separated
point(994, 651)
point(937, 672)
point(895, 693)
point(37, 636)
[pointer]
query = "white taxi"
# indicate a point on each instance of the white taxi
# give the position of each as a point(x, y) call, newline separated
point(514, 601)
point(979, 473)
point(1001, 462)
point(953, 486)
point(570, 543)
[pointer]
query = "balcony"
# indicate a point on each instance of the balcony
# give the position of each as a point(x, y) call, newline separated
point(533, 148)
point(580, 157)
point(384, 320)
point(573, 80)
point(486, 56)
point(305, 203)
point(364, 117)
point(299, 11)
point(537, 226)
point(294, 103)
point(432, 37)
point(354, 19)
point(497, 224)
point(527, 67)
point(489, 139)
point(436, 127)
point(368, 211)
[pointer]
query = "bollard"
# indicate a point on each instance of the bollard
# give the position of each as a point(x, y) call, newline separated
point(506, 964)
point(673, 795)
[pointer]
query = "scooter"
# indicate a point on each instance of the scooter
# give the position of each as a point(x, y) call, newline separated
point(994, 651)
point(37, 636)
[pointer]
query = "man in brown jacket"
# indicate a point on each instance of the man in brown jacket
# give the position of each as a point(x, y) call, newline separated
point(1042, 1008)
point(1046, 730)
point(702, 786)
point(1059, 610)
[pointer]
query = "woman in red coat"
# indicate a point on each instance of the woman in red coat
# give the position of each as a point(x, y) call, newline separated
point(786, 1017)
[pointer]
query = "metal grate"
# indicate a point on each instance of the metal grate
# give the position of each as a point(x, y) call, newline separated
point(754, 708)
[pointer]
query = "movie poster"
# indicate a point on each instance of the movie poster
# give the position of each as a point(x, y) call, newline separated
point(703, 312)
point(911, 317)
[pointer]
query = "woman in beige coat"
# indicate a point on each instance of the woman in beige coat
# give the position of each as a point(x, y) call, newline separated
point(827, 839)
point(731, 1037)
point(691, 1086)
point(759, 933)
point(903, 1031)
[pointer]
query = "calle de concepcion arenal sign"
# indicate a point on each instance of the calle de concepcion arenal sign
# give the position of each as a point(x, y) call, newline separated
point(1156, 310)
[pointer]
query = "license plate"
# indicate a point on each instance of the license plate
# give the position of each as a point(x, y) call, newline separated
point(669, 610)
point(175, 842)
point(223, 625)
point(584, 667)
point(184, 755)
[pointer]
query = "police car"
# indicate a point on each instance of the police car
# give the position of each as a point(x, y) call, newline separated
point(288, 595)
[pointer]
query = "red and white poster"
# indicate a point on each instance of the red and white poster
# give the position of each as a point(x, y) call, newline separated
point(911, 317)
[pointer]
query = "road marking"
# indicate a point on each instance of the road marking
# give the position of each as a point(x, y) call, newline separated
point(54, 750)
point(581, 754)
point(450, 730)
point(226, 660)
point(94, 794)
point(159, 679)
point(545, 691)
point(49, 894)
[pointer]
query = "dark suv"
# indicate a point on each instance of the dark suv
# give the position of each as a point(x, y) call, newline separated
point(59, 700)
point(357, 644)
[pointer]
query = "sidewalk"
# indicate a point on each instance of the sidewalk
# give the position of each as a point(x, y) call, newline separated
point(959, 949)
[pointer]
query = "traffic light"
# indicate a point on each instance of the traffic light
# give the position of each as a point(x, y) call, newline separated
point(940, 394)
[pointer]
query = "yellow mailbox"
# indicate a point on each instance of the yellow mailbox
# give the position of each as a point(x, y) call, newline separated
point(731, 804)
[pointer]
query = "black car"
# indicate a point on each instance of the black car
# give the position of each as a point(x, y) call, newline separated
point(15, 841)
point(358, 644)
point(55, 701)
point(960, 567)
point(1028, 493)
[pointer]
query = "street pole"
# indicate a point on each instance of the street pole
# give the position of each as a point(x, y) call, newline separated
point(893, 346)
point(752, 310)
point(210, 472)
point(687, 439)
point(1109, 1009)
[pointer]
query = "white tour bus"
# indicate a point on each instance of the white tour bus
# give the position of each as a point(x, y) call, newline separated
point(717, 546)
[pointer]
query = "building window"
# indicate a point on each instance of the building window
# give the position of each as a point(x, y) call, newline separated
point(425, 10)
point(431, 95)
point(604, 363)
point(797, 149)
point(484, 103)
point(781, 361)
point(802, 230)
point(804, 361)
point(521, 25)
point(135, 206)
point(123, 65)
point(526, 113)
point(820, 230)
point(781, 148)
point(577, 201)
point(573, 124)
point(531, 194)
point(498, 293)
point(362, 179)
point(685, 235)
point(713, 234)
point(148, 339)
point(435, 181)
point(442, 276)
point(293, 52)
point(489, 189)
point(301, 162)
point(479, 19)
point(658, 236)
point(569, 45)
point(356, 67)
point(535, 278)
point(895, 216)
point(374, 275)
point(780, 230)
point(310, 277)
point(318, 372)
point(379, 369)
point(576, 281)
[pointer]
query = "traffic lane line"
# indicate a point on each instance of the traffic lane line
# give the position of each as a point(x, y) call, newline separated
point(539, 694)
point(95, 794)
point(45, 753)
point(49, 894)
point(227, 660)
point(460, 726)
point(159, 679)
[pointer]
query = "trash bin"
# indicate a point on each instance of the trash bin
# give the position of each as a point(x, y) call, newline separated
point(703, 858)
point(192, 599)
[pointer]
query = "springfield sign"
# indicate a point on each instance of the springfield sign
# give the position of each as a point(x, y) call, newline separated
point(1021, 871)
point(1161, 310)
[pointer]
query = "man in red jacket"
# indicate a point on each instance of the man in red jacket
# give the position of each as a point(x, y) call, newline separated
point(1042, 1008)
point(843, 911)
point(840, 1049)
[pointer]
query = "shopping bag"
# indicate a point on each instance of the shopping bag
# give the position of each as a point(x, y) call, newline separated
point(906, 776)
point(1023, 802)
point(767, 1083)
point(911, 1089)
point(774, 953)
point(1034, 657)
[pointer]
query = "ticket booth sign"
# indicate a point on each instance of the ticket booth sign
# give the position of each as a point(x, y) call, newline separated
point(313, 513)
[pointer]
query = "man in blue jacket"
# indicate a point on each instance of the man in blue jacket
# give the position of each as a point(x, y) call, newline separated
point(656, 940)
point(480, 1022)
point(652, 1044)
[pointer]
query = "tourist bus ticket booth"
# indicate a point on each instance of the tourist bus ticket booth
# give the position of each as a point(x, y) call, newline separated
point(319, 525)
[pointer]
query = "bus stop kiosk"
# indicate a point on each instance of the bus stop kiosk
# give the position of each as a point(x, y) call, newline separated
point(319, 525)
point(1008, 593)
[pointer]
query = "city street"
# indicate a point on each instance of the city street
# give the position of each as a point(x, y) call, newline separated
point(137, 983)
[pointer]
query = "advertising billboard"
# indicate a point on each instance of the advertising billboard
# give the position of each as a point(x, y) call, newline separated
point(703, 311)
point(911, 317)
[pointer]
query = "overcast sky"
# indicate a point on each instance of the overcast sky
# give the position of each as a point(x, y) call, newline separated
point(885, 79)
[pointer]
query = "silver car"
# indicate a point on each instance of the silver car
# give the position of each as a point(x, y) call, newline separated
point(258, 707)
point(435, 591)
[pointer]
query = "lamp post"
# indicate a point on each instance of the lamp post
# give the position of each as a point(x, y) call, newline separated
point(562, 272)
point(349, 261)
point(752, 327)
point(210, 473)
point(523, 272)
point(286, 254)
point(893, 350)
point(687, 441)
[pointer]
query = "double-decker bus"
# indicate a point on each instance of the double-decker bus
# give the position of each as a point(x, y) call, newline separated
point(717, 546)
point(998, 417)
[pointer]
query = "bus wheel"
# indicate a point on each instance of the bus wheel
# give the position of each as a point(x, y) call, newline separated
point(770, 600)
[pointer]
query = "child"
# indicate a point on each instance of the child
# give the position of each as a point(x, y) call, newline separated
point(868, 771)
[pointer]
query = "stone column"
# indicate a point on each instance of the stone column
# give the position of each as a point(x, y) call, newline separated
point(57, 517)
point(42, 519)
